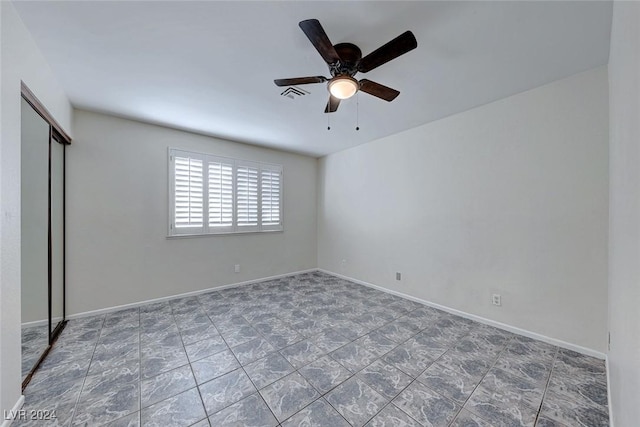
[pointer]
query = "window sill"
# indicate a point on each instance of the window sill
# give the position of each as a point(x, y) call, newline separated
point(230, 233)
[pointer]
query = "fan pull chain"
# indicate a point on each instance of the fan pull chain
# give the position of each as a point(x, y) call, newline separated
point(357, 112)
point(328, 121)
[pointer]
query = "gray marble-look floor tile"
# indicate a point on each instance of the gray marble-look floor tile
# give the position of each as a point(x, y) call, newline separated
point(202, 423)
point(304, 317)
point(163, 307)
point(268, 369)
point(548, 422)
point(478, 347)
point(569, 364)
point(61, 398)
point(398, 332)
point(325, 374)
point(385, 378)
point(90, 322)
point(288, 395)
point(131, 420)
point(391, 416)
point(239, 335)
point(79, 335)
point(349, 329)
point(207, 347)
point(489, 338)
point(356, 401)
point(572, 413)
point(412, 358)
point(376, 343)
point(249, 412)
point(329, 340)
point(192, 319)
point(318, 414)
point(353, 356)
point(214, 366)
point(113, 356)
point(436, 340)
point(184, 304)
point(223, 391)
point(129, 334)
point(252, 350)
point(181, 410)
point(374, 320)
point(108, 396)
point(530, 369)
point(302, 353)
point(308, 327)
point(157, 311)
point(581, 361)
point(451, 384)
point(282, 337)
point(123, 318)
point(465, 363)
point(164, 333)
point(581, 388)
point(47, 378)
point(165, 385)
point(426, 406)
point(525, 347)
point(199, 333)
point(500, 409)
point(468, 419)
point(513, 390)
point(158, 359)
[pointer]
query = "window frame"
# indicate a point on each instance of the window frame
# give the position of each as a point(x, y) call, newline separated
point(206, 229)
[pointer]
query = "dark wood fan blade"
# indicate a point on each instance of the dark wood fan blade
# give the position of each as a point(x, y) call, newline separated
point(396, 47)
point(378, 90)
point(332, 105)
point(318, 38)
point(300, 81)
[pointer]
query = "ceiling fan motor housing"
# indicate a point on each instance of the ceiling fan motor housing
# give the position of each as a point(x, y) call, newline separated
point(350, 56)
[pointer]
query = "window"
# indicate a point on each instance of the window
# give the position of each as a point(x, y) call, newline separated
point(213, 195)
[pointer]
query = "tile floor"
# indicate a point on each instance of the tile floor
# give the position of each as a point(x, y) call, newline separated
point(308, 350)
point(35, 340)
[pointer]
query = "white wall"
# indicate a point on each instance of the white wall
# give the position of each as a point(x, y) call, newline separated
point(20, 60)
point(117, 250)
point(624, 231)
point(508, 198)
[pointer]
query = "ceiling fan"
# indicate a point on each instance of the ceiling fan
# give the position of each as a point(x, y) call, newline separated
point(345, 60)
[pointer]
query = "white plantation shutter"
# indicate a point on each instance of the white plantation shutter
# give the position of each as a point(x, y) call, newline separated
point(220, 194)
point(271, 197)
point(188, 192)
point(213, 195)
point(247, 196)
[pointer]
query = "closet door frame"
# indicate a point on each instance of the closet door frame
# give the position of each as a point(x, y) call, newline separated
point(54, 331)
point(57, 135)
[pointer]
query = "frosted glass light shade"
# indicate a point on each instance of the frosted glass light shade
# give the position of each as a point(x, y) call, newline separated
point(343, 87)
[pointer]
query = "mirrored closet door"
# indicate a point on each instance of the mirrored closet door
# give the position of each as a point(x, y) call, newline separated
point(42, 232)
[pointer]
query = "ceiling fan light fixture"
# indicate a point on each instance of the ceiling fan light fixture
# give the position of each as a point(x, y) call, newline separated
point(343, 87)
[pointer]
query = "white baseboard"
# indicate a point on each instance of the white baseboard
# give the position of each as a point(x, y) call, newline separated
point(504, 326)
point(609, 403)
point(7, 419)
point(183, 295)
point(35, 323)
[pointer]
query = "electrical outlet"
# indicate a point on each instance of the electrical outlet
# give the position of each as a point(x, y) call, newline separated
point(237, 268)
point(398, 276)
point(496, 299)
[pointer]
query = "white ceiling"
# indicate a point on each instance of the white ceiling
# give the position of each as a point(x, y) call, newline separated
point(208, 67)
